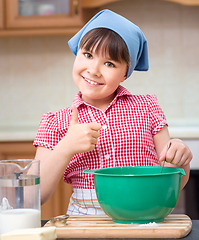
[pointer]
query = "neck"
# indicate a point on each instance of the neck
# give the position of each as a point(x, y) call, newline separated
point(100, 103)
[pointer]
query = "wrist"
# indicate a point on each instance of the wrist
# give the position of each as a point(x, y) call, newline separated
point(63, 152)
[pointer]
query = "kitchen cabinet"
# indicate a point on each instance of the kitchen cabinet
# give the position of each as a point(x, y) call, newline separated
point(98, 3)
point(1, 14)
point(16, 150)
point(38, 14)
point(40, 17)
point(185, 2)
point(58, 203)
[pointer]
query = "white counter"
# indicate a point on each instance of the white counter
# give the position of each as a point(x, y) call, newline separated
point(17, 133)
point(184, 132)
point(12, 136)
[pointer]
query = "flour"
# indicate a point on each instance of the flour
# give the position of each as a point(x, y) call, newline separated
point(151, 224)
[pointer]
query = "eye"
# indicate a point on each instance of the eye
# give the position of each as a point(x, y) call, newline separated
point(109, 64)
point(88, 55)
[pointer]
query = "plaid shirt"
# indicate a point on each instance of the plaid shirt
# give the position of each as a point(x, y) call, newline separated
point(126, 137)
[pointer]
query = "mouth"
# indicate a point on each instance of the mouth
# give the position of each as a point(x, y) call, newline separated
point(91, 82)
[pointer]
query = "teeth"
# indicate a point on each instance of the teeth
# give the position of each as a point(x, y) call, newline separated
point(91, 82)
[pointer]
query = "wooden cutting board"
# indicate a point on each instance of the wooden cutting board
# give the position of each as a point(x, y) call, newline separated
point(101, 226)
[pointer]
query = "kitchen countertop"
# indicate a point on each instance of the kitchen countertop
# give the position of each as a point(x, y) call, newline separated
point(13, 134)
point(191, 132)
point(193, 235)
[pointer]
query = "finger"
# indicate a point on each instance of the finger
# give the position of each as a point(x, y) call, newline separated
point(95, 126)
point(95, 134)
point(171, 155)
point(92, 147)
point(74, 115)
point(181, 155)
point(178, 159)
point(164, 153)
point(187, 161)
point(94, 141)
point(162, 157)
point(92, 137)
point(190, 156)
point(182, 158)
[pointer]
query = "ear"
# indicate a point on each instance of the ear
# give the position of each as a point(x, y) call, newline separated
point(125, 76)
point(124, 79)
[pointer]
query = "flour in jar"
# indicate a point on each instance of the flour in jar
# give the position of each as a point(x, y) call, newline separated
point(13, 219)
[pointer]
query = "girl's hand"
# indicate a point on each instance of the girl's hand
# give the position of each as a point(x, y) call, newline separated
point(178, 153)
point(80, 137)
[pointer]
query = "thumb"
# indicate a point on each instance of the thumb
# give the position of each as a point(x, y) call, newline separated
point(162, 156)
point(74, 115)
point(164, 152)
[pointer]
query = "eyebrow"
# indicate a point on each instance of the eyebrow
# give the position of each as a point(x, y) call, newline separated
point(107, 56)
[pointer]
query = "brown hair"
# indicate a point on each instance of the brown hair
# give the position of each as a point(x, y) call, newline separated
point(108, 41)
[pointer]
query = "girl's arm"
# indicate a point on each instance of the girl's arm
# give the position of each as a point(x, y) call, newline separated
point(79, 138)
point(178, 155)
point(52, 166)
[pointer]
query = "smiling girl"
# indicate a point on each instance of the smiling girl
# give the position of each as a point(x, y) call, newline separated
point(97, 72)
point(106, 126)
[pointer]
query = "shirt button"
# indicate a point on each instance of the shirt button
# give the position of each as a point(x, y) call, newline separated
point(104, 127)
point(107, 156)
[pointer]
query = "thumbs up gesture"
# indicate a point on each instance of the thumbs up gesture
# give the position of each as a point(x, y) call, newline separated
point(81, 137)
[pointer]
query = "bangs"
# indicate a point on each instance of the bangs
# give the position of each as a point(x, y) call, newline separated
point(108, 42)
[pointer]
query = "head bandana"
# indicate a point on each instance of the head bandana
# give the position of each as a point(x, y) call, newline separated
point(130, 33)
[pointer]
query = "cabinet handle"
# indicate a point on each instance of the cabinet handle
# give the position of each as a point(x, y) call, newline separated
point(75, 4)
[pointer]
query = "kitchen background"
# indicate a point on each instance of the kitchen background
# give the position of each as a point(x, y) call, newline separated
point(35, 77)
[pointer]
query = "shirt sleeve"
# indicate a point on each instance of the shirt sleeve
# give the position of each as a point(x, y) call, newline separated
point(48, 134)
point(156, 114)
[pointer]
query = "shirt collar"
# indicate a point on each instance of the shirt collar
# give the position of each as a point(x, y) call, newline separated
point(121, 91)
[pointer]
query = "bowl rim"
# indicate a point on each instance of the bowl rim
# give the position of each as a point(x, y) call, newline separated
point(100, 171)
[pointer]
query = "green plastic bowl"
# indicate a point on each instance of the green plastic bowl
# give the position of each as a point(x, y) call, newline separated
point(137, 194)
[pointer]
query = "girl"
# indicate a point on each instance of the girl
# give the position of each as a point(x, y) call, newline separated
point(106, 126)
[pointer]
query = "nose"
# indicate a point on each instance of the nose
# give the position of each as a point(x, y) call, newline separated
point(94, 68)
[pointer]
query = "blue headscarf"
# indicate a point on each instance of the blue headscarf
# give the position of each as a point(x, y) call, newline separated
point(130, 33)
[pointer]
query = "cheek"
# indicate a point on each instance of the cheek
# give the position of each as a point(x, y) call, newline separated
point(75, 64)
point(79, 65)
point(75, 73)
point(76, 67)
point(117, 77)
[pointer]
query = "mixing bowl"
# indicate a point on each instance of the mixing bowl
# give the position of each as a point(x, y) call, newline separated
point(137, 194)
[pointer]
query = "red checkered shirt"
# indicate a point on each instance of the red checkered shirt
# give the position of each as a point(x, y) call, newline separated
point(126, 137)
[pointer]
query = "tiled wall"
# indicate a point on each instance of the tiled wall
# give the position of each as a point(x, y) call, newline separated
point(35, 72)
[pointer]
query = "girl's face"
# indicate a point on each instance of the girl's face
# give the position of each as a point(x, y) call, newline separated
point(97, 77)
